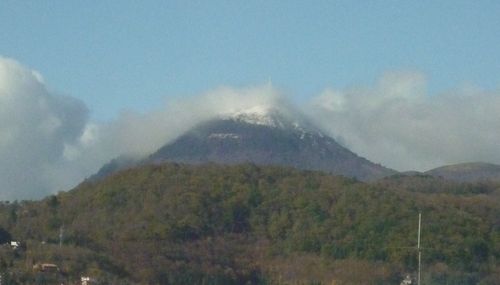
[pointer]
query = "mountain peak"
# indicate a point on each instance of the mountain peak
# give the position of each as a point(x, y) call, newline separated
point(257, 115)
point(273, 117)
point(260, 110)
point(266, 134)
point(265, 115)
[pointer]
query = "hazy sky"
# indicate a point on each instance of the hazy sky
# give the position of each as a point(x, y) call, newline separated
point(409, 84)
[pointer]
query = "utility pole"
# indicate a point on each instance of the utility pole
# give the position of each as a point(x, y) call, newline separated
point(418, 247)
point(409, 279)
point(61, 235)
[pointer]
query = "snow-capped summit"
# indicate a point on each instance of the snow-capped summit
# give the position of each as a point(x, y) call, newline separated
point(258, 115)
point(273, 117)
point(266, 135)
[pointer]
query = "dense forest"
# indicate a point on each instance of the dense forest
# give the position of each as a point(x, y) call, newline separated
point(246, 224)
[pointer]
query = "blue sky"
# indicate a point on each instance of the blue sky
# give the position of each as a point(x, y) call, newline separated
point(412, 85)
point(135, 55)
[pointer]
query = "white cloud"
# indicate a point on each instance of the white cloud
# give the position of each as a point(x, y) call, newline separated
point(35, 126)
point(397, 123)
point(47, 143)
point(141, 134)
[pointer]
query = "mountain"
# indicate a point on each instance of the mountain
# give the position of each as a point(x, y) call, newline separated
point(263, 135)
point(117, 164)
point(468, 172)
point(267, 136)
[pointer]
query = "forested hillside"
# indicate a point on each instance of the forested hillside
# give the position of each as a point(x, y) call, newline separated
point(211, 224)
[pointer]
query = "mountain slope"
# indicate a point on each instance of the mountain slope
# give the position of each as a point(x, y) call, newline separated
point(267, 137)
point(468, 172)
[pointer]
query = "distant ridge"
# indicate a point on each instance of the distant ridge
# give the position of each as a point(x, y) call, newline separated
point(468, 172)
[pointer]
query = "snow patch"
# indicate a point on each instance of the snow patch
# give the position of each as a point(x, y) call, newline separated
point(274, 117)
point(259, 115)
point(224, 136)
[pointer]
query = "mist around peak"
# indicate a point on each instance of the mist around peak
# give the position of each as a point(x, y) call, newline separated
point(396, 122)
